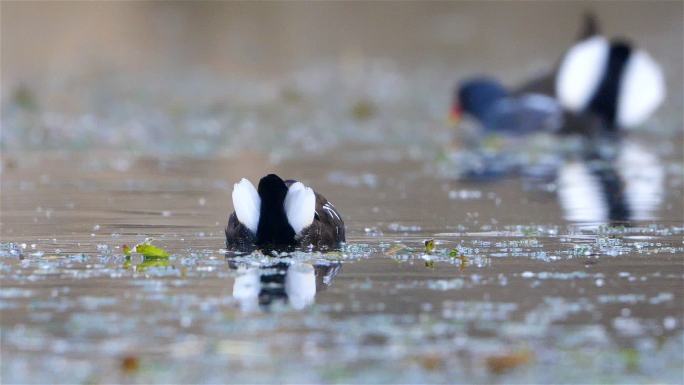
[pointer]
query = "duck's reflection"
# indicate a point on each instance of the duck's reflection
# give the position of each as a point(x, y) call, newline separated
point(616, 184)
point(284, 282)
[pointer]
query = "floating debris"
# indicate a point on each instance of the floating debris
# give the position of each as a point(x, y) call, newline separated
point(429, 246)
point(364, 110)
point(146, 249)
point(504, 363)
point(130, 364)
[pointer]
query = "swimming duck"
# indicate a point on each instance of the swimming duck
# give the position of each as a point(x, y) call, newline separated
point(598, 87)
point(611, 80)
point(499, 110)
point(282, 215)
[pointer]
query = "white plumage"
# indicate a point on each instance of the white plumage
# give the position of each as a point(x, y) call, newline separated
point(300, 206)
point(642, 90)
point(642, 84)
point(580, 72)
point(247, 204)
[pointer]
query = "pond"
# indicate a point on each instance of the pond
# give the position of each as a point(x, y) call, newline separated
point(514, 260)
point(512, 292)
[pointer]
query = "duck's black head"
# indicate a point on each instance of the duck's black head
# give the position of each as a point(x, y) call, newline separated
point(476, 96)
point(274, 229)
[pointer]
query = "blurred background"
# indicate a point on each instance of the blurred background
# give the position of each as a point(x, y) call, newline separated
point(218, 78)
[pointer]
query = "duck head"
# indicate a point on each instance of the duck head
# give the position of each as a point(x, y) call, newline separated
point(274, 227)
point(475, 97)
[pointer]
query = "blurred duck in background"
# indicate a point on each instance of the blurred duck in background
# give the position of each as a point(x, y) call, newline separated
point(610, 80)
point(599, 87)
point(498, 110)
point(609, 84)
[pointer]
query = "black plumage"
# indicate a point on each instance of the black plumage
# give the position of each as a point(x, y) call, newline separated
point(275, 232)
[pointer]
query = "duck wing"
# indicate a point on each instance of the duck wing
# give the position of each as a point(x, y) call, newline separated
point(327, 229)
point(330, 222)
point(238, 236)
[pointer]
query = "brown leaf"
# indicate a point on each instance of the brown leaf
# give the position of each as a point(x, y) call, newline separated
point(130, 364)
point(507, 362)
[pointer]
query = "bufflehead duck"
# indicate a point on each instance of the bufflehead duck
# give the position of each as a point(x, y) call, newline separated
point(611, 80)
point(282, 214)
point(599, 86)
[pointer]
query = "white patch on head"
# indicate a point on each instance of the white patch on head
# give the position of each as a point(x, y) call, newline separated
point(581, 195)
point(300, 206)
point(580, 73)
point(247, 204)
point(642, 90)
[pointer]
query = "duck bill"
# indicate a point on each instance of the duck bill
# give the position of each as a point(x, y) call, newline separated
point(455, 116)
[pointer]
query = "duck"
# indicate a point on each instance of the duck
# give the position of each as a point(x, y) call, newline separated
point(282, 215)
point(499, 110)
point(611, 80)
point(599, 86)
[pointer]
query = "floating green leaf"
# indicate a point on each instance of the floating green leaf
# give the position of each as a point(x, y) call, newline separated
point(363, 110)
point(151, 251)
point(631, 357)
point(429, 246)
point(25, 98)
point(146, 249)
point(455, 254)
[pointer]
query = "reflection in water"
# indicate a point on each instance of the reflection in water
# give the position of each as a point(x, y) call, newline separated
point(291, 282)
point(612, 188)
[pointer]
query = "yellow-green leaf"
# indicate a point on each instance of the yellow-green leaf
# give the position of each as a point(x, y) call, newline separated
point(151, 251)
point(429, 246)
point(126, 250)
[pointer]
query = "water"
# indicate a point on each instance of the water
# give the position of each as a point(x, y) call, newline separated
point(547, 268)
point(504, 297)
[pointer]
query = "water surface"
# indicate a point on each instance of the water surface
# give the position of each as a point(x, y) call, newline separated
point(513, 291)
